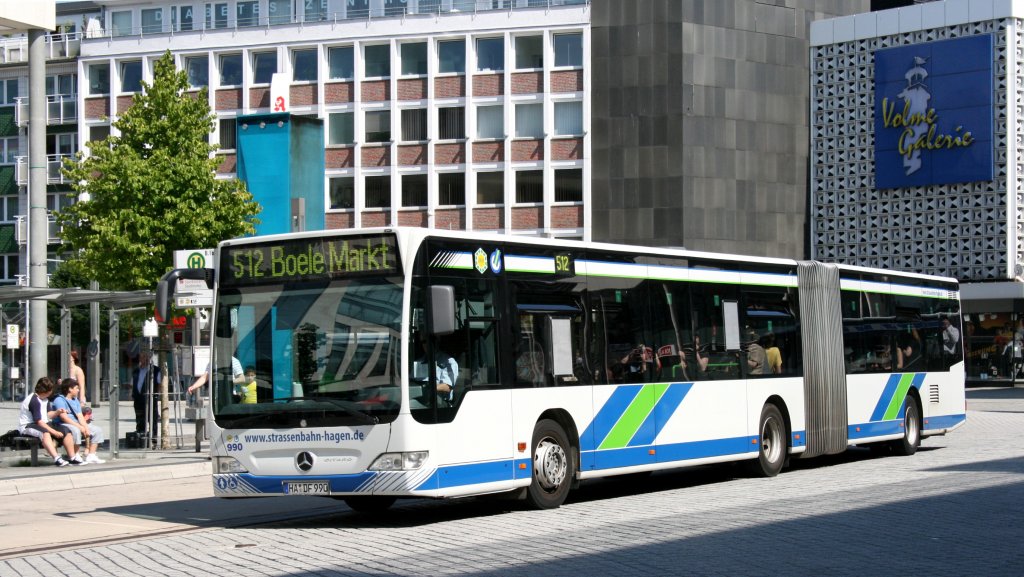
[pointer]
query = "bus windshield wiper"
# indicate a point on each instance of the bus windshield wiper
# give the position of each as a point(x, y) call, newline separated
point(345, 406)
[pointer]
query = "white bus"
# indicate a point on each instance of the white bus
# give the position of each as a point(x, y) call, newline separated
point(570, 361)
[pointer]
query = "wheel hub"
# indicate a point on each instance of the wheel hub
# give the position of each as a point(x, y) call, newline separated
point(550, 464)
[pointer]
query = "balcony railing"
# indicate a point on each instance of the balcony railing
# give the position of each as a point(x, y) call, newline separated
point(58, 46)
point(60, 109)
point(389, 10)
point(21, 229)
point(53, 173)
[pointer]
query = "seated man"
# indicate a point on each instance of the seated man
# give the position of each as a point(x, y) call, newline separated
point(95, 437)
point(70, 420)
point(33, 422)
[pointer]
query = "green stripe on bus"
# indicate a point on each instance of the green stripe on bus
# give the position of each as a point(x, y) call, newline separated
point(896, 402)
point(634, 416)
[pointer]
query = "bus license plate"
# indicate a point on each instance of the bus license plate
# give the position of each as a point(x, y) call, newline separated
point(305, 488)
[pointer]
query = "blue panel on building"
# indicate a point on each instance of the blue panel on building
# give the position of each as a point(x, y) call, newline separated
point(933, 113)
point(281, 160)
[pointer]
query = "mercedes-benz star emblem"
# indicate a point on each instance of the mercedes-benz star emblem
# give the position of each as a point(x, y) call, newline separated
point(304, 460)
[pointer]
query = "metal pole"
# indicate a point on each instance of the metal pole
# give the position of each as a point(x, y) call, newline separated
point(65, 342)
point(93, 376)
point(114, 381)
point(38, 229)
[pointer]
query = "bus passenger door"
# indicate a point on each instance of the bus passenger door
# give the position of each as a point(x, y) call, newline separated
point(474, 422)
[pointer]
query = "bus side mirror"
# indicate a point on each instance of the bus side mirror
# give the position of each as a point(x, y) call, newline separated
point(442, 309)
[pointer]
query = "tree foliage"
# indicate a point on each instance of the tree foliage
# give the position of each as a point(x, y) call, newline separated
point(152, 188)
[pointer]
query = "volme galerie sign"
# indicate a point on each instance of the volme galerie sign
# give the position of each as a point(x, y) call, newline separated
point(933, 113)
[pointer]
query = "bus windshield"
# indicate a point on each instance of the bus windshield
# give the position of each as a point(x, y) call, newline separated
point(316, 353)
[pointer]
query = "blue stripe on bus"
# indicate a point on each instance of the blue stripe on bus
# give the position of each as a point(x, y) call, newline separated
point(608, 416)
point(887, 393)
point(663, 410)
point(468, 474)
point(865, 430)
point(944, 421)
point(629, 457)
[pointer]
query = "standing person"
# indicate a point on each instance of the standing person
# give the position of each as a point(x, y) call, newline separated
point(69, 419)
point(237, 376)
point(142, 378)
point(78, 374)
point(774, 354)
point(33, 421)
point(757, 359)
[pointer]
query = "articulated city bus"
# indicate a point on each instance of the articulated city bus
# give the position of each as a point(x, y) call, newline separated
point(393, 363)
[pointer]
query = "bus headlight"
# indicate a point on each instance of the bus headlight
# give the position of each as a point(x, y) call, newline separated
point(228, 465)
point(399, 461)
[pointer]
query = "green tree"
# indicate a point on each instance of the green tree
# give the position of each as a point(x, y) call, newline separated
point(152, 189)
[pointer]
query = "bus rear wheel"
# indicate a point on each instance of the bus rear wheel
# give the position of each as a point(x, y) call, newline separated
point(369, 503)
point(772, 443)
point(553, 466)
point(911, 430)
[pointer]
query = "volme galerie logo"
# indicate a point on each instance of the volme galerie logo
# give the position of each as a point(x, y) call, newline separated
point(933, 113)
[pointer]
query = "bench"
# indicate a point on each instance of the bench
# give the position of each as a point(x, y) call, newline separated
point(21, 443)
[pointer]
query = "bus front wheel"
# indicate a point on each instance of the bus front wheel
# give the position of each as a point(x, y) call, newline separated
point(911, 430)
point(772, 443)
point(552, 466)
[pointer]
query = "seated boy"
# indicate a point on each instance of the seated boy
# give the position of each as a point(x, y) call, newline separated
point(32, 422)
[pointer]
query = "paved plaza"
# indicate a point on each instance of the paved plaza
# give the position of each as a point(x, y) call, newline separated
point(953, 509)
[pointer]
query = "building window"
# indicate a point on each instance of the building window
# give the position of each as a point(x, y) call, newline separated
point(304, 62)
point(451, 123)
point(451, 56)
point(216, 15)
point(314, 10)
point(152, 20)
point(529, 52)
point(357, 8)
point(490, 54)
point(9, 204)
point(182, 18)
point(121, 23)
point(247, 13)
point(342, 129)
point(264, 66)
point(569, 118)
point(340, 63)
point(230, 69)
point(99, 79)
point(66, 84)
point(342, 190)
point(414, 59)
point(490, 121)
point(377, 191)
point(378, 61)
point(568, 50)
point(10, 90)
point(98, 133)
point(280, 11)
point(378, 126)
point(490, 187)
point(197, 69)
point(12, 267)
point(529, 186)
point(9, 150)
point(131, 76)
point(569, 185)
point(396, 7)
point(530, 120)
point(414, 190)
point(63, 144)
point(451, 188)
point(227, 134)
point(414, 124)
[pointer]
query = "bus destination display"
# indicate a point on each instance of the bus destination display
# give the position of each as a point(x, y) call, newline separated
point(308, 259)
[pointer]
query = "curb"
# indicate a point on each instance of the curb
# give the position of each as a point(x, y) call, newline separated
point(83, 479)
